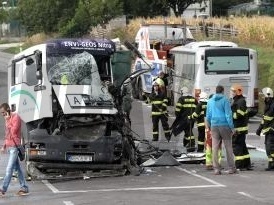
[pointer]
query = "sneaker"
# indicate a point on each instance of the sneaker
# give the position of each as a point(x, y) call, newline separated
point(209, 167)
point(232, 171)
point(269, 169)
point(2, 193)
point(22, 192)
point(217, 172)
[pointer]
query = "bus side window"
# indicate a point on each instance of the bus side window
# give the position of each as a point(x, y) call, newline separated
point(18, 74)
point(30, 74)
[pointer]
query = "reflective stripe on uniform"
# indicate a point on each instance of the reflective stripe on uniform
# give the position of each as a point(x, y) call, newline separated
point(241, 129)
point(195, 115)
point(200, 124)
point(268, 118)
point(157, 102)
point(241, 112)
point(156, 113)
point(200, 143)
point(242, 157)
point(189, 105)
point(190, 138)
point(265, 130)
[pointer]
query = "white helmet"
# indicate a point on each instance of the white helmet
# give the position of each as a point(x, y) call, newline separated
point(184, 90)
point(267, 92)
point(203, 97)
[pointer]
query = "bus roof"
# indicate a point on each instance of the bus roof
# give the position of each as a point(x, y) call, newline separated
point(193, 46)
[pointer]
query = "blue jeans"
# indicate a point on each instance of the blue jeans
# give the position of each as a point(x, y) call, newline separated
point(14, 164)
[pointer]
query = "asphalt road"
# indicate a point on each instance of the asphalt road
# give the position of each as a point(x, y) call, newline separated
point(188, 184)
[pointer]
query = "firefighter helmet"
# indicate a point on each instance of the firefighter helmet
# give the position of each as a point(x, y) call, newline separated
point(237, 88)
point(267, 92)
point(203, 97)
point(184, 90)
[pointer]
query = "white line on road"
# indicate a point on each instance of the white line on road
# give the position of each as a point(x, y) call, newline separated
point(251, 197)
point(50, 186)
point(213, 184)
point(139, 189)
point(201, 177)
point(68, 203)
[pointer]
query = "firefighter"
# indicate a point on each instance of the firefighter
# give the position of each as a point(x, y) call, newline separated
point(199, 115)
point(267, 126)
point(161, 80)
point(185, 107)
point(159, 112)
point(240, 120)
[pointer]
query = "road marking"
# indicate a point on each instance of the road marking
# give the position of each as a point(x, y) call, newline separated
point(257, 148)
point(139, 189)
point(201, 177)
point(68, 203)
point(251, 197)
point(213, 184)
point(50, 186)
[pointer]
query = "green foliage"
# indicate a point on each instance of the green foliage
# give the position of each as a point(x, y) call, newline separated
point(90, 13)
point(45, 16)
point(179, 6)
point(3, 15)
point(71, 18)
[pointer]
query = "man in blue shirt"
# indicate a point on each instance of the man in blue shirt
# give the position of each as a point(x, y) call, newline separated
point(220, 123)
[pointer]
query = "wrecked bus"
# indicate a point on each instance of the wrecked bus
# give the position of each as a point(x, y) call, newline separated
point(66, 95)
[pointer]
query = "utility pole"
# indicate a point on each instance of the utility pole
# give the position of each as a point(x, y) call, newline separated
point(210, 7)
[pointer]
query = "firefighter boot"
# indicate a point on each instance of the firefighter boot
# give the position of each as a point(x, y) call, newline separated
point(270, 166)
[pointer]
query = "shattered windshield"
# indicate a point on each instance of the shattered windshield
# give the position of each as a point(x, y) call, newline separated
point(77, 69)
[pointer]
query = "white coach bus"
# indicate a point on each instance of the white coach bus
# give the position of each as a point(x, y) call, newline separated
point(201, 66)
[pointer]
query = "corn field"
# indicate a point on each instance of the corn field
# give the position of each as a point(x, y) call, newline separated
point(257, 29)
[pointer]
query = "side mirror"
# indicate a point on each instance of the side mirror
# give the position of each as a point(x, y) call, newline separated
point(29, 61)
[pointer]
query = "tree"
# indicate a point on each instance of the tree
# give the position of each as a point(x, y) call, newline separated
point(150, 8)
point(71, 18)
point(45, 16)
point(179, 6)
point(220, 6)
point(91, 13)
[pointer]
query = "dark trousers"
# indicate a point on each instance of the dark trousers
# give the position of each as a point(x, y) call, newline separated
point(269, 148)
point(186, 126)
point(189, 140)
point(155, 124)
point(201, 139)
point(242, 157)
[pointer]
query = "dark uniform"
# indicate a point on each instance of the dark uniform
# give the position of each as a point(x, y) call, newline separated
point(184, 108)
point(199, 116)
point(159, 112)
point(240, 120)
point(267, 128)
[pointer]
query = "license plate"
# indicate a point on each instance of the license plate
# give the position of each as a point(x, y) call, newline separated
point(80, 158)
